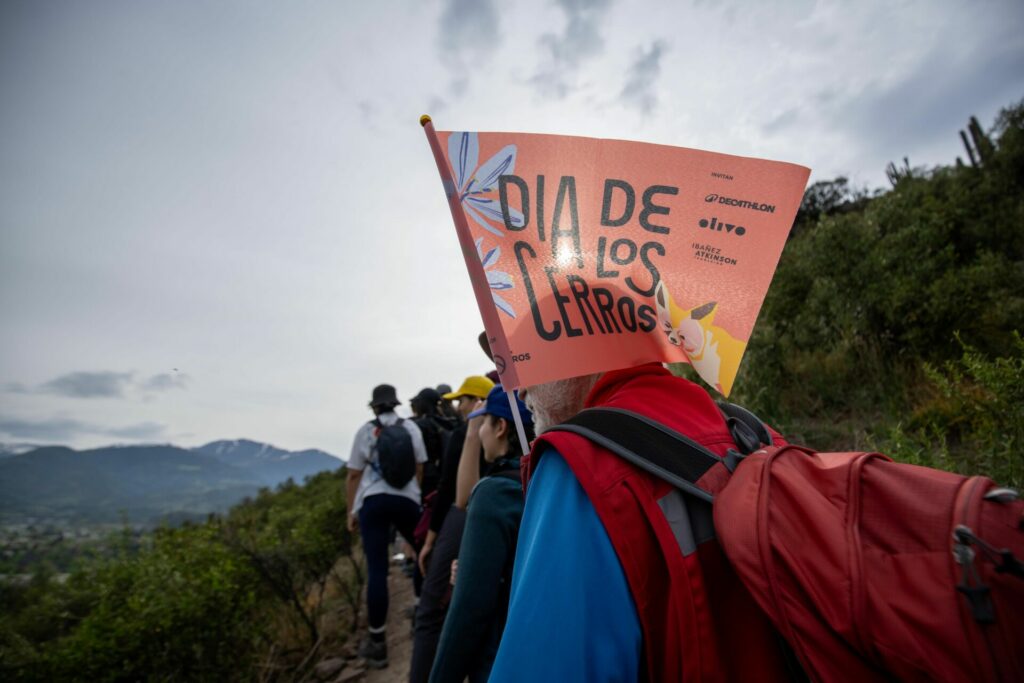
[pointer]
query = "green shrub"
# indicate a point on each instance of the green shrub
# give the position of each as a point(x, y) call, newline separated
point(198, 603)
point(292, 538)
point(973, 421)
point(871, 291)
point(181, 611)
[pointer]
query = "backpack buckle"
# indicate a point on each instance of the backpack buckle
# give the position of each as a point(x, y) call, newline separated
point(732, 459)
point(744, 435)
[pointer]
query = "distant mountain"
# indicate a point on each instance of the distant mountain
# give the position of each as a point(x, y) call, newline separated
point(271, 465)
point(144, 483)
point(9, 449)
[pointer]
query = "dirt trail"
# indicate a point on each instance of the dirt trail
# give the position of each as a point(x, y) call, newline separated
point(399, 630)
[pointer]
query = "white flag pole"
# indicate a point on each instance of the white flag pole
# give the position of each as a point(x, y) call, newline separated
point(520, 430)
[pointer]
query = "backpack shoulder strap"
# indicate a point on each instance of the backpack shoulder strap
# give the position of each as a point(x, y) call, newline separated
point(748, 430)
point(373, 456)
point(648, 444)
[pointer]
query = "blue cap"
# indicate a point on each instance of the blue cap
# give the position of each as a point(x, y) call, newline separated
point(497, 404)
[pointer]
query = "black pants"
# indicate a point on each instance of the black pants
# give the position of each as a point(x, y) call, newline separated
point(436, 595)
point(376, 517)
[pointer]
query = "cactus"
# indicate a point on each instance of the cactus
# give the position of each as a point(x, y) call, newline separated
point(979, 147)
point(896, 173)
point(982, 142)
point(970, 150)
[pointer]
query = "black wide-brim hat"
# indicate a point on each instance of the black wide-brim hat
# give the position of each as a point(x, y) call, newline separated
point(384, 395)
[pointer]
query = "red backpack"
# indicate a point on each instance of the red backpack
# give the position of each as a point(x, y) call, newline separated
point(871, 570)
point(698, 621)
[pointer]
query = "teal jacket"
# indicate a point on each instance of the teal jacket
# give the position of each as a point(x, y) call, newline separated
point(476, 616)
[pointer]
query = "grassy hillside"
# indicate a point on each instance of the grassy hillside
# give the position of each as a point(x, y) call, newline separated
point(894, 321)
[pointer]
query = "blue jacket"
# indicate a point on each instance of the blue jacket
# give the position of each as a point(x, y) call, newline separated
point(571, 615)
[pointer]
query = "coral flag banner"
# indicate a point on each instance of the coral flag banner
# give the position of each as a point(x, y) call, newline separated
point(588, 255)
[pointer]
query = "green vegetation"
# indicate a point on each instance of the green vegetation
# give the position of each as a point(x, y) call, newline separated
point(242, 597)
point(972, 421)
point(25, 549)
point(893, 322)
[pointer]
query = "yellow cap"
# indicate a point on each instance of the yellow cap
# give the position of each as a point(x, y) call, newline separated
point(474, 385)
point(424, 120)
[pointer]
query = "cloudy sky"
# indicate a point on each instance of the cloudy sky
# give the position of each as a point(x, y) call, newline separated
point(222, 220)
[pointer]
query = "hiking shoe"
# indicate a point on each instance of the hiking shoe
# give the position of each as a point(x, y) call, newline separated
point(374, 652)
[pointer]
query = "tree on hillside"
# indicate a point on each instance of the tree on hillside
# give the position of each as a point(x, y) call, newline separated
point(293, 538)
point(827, 198)
point(873, 292)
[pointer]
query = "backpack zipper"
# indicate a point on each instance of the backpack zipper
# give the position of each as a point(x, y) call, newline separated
point(976, 607)
point(764, 549)
point(858, 574)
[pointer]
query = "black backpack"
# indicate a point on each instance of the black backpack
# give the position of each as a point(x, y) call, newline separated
point(396, 459)
point(436, 431)
point(433, 438)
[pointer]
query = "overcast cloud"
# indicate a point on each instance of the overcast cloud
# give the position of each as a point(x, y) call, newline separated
point(69, 431)
point(165, 381)
point(222, 220)
point(104, 384)
point(640, 90)
point(88, 384)
point(468, 34)
point(566, 51)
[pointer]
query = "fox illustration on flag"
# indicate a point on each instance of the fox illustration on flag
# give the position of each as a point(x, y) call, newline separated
point(713, 352)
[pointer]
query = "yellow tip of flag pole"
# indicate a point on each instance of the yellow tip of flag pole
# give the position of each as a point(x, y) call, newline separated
point(425, 119)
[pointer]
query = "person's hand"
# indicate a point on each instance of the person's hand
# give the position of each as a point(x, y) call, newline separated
point(455, 569)
point(353, 524)
point(469, 464)
point(428, 546)
point(473, 427)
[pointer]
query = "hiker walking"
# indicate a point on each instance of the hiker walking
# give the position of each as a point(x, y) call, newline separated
point(602, 588)
point(444, 534)
point(446, 407)
point(436, 431)
point(476, 617)
point(384, 470)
